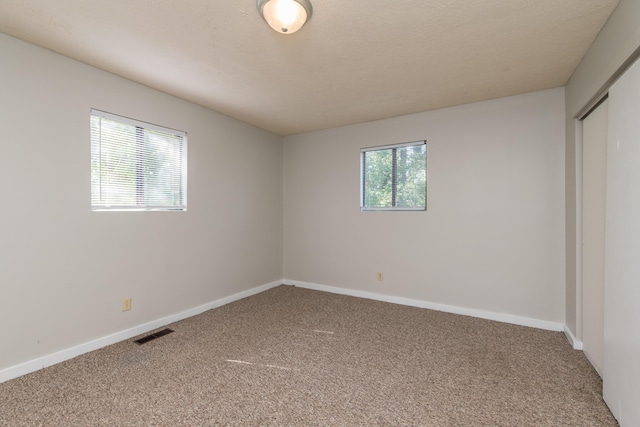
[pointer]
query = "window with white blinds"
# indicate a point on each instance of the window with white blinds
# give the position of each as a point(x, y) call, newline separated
point(394, 177)
point(136, 165)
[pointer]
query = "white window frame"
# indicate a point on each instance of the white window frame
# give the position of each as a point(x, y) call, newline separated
point(183, 167)
point(363, 151)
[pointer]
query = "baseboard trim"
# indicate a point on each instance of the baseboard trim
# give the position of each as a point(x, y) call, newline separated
point(499, 317)
point(575, 343)
point(69, 353)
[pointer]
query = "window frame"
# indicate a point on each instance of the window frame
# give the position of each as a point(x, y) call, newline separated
point(140, 128)
point(363, 152)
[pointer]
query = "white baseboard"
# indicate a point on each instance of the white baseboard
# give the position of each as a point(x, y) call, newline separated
point(69, 353)
point(575, 343)
point(499, 317)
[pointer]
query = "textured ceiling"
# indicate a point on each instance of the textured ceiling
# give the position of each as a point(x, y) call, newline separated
point(354, 61)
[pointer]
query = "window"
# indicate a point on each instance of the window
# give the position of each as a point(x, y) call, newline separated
point(136, 165)
point(394, 177)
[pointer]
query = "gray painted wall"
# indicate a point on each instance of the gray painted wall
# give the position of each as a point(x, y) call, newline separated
point(64, 270)
point(492, 237)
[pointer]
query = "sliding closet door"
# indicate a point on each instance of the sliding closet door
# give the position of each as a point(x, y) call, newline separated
point(621, 373)
point(594, 191)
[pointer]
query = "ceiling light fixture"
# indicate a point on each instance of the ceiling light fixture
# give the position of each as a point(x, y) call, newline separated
point(285, 16)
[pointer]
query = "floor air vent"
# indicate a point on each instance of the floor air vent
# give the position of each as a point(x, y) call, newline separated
point(153, 336)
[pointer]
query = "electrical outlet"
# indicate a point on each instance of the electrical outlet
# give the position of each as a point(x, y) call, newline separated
point(380, 276)
point(126, 304)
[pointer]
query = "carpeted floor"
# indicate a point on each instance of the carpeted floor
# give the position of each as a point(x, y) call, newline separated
point(297, 357)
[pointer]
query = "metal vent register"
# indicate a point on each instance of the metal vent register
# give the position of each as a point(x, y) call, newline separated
point(153, 336)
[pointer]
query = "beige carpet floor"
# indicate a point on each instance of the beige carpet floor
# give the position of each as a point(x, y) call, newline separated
point(297, 357)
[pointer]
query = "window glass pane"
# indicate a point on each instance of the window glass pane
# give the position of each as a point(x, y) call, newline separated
point(116, 174)
point(378, 178)
point(411, 177)
point(162, 169)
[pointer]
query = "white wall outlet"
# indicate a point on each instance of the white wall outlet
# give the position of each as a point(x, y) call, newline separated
point(126, 304)
point(380, 276)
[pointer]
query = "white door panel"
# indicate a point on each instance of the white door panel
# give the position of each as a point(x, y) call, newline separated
point(621, 369)
point(594, 183)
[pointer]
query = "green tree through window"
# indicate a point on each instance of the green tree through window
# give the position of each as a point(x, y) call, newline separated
point(394, 177)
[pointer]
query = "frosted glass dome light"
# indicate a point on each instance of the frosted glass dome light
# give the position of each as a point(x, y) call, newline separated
point(285, 16)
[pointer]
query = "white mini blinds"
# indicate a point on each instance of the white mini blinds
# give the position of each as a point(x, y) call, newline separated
point(136, 165)
point(394, 177)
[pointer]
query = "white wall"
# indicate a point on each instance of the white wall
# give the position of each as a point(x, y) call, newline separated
point(64, 269)
point(492, 238)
